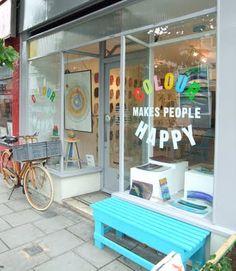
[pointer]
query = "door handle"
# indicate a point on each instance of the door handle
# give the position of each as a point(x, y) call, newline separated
point(107, 118)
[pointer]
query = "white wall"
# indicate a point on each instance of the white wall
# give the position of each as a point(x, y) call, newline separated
point(225, 157)
point(75, 186)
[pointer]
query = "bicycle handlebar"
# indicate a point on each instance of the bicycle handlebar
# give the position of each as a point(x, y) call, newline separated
point(9, 140)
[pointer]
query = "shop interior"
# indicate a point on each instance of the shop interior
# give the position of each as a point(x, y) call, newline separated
point(89, 106)
point(6, 99)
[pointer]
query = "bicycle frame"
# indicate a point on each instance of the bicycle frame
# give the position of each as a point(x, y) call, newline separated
point(19, 169)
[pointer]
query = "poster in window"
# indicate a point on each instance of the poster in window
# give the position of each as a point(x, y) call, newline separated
point(78, 115)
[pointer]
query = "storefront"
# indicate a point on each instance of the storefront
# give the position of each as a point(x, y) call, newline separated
point(9, 79)
point(137, 81)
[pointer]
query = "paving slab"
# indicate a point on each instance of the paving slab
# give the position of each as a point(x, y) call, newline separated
point(20, 235)
point(97, 257)
point(59, 242)
point(3, 248)
point(4, 197)
point(148, 253)
point(5, 210)
point(18, 204)
point(47, 214)
point(72, 216)
point(18, 194)
point(22, 217)
point(49, 225)
point(116, 266)
point(4, 225)
point(3, 187)
point(68, 261)
point(124, 242)
point(83, 230)
point(18, 260)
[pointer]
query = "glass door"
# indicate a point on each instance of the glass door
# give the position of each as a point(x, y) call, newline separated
point(135, 73)
point(112, 121)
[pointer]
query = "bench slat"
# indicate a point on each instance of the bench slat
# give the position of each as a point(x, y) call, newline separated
point(172, 221)
point(157, 223)
point(162, 231)
point(154, 218)
point(103, 214)
point(158, 231)
point(140, 234)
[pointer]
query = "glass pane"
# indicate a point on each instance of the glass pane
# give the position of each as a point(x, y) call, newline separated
point(179, 29)
point(82, 109)
point(113, 127)
point(44, 99)
point(5, 101)
point(172, 113)
point(136, 71)
point(134, 15)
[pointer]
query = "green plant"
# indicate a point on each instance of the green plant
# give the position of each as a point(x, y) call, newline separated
point(224, 264)
point(8, 55)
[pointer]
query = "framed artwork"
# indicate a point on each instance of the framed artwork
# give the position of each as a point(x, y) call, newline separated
point(78, 101)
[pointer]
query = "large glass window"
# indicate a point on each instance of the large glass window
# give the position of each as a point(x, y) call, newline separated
point(44, 101)
point(82, 106)
point(170, 104)
point(77, 118)
point(6, 99)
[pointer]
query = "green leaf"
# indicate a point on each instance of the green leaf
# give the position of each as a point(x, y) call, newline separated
point(8, 55)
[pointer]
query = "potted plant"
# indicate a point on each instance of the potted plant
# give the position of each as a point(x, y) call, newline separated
point(225, 257)
point(8, 55)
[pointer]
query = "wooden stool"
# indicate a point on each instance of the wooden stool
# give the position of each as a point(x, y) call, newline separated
point(71, 145)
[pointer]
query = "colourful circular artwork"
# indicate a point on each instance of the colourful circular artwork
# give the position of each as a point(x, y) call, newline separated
point(77, 103)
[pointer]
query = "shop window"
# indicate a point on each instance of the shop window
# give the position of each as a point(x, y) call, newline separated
point(44, 100)
point(81, 108)
point(170, 112)
point(6, 100)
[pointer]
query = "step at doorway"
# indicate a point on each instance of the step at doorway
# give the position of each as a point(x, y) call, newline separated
point(92, 197)
point(81, 204)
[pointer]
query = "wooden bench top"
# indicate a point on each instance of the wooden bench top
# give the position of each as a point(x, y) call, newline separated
point(172, 231)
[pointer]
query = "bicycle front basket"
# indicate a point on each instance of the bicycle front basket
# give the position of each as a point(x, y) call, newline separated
point(32, 151)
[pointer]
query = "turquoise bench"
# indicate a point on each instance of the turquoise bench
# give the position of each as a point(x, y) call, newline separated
point(158, 231)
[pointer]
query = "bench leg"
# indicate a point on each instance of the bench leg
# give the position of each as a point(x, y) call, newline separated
point(119, 235)
point(99, 230)
point(198, 259)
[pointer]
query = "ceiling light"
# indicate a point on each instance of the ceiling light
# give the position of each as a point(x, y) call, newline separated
point(195, 53)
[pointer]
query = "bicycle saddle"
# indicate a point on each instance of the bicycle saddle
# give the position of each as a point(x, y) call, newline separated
point(10, 139)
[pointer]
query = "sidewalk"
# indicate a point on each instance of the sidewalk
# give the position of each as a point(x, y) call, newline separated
point(56, 240)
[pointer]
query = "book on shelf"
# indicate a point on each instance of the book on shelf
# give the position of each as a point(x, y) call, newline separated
point(165, 193)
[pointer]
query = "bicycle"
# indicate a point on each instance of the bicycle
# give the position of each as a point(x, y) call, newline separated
point(32, 175)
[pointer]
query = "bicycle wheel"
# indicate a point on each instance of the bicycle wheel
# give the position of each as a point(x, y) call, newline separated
point(6, 169)
point(38, 187)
